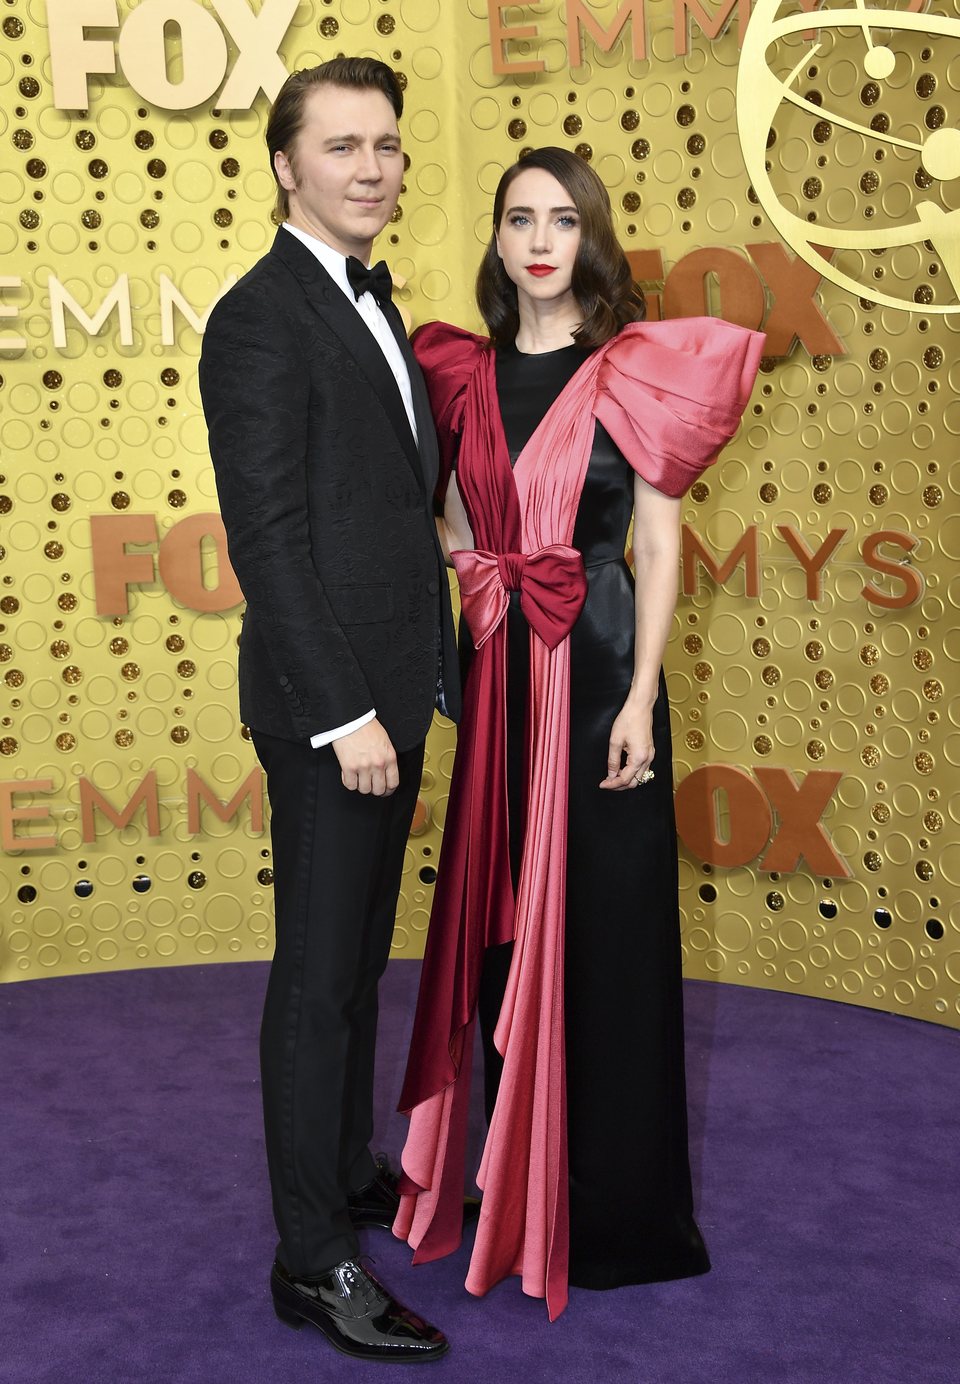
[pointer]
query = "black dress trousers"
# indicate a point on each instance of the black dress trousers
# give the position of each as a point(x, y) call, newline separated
point(338, 858)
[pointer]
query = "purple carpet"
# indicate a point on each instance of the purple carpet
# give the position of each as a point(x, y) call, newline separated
point(136, 1230)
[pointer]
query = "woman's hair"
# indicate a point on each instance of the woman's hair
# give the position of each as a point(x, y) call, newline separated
point(287, 112)
point(602, 282)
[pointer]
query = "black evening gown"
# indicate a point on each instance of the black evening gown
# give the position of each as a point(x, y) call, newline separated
point(631, 1209)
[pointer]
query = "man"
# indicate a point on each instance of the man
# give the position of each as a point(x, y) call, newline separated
point(326, 458)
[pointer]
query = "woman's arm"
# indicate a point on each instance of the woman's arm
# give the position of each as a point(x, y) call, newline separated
point(454, 526)
point(656, 553)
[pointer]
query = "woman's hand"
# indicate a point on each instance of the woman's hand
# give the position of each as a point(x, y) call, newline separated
point(631, 745)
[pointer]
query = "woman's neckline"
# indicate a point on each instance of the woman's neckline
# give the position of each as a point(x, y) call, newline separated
point(537, 355)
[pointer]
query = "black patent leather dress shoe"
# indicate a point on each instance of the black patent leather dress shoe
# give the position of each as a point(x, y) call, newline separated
point(377, 1203)
point(356, 1313)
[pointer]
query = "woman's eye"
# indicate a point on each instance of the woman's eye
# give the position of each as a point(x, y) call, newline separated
point(568, 222)
point(518, 219)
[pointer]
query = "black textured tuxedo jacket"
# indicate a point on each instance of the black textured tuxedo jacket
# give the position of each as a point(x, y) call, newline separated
point(327, 503)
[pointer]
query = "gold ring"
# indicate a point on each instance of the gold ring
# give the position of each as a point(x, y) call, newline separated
point(645, 777)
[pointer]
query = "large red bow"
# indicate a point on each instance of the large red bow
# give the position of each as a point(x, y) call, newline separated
point(552, 585)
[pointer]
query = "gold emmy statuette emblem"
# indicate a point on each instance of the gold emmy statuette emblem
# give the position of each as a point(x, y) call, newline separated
point(865, 48)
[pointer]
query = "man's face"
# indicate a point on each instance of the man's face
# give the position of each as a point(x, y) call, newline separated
point(344, 177)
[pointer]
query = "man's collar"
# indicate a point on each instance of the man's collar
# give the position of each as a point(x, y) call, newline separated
point(332, 260)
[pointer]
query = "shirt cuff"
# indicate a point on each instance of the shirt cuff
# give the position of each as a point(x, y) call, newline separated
point(326, 737)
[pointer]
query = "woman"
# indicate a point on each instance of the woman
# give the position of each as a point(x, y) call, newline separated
point(556, 904)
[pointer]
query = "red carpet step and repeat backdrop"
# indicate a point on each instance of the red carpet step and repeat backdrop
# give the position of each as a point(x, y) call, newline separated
point(795, 166)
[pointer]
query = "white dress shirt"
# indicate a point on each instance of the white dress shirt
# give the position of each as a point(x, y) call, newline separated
point(370, 312)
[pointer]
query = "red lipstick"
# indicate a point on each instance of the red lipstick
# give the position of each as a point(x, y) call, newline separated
point(541, 270)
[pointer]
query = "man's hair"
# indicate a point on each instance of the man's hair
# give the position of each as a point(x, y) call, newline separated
point(287, 112)
point(602, 282)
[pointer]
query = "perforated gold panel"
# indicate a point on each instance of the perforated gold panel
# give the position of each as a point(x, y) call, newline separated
point(815, 645)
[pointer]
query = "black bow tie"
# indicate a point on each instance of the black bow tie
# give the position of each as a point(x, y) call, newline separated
point(363, 280)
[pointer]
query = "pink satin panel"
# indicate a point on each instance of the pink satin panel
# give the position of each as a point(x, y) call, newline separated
point(670, 394)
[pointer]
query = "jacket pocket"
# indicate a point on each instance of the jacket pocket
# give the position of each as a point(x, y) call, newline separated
point(361, 605)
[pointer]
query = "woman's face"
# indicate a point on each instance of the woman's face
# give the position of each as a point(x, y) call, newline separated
point(539, 235)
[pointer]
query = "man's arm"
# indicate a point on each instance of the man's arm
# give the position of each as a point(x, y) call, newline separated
point(256, 391)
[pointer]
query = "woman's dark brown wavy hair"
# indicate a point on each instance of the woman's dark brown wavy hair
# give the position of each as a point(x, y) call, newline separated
point(602, 282)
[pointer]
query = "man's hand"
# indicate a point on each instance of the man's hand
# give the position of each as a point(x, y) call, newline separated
point(368, 761)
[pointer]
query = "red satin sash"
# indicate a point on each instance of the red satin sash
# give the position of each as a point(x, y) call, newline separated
point(670, 394)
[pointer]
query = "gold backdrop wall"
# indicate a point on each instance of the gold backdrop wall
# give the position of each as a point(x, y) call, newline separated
point(815, 645)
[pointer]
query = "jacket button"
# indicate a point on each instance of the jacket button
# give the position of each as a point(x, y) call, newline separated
point(433, 587)
point(284, 681)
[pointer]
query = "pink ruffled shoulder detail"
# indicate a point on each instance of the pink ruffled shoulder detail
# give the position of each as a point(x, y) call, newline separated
point(671, 394)
point(448, 357)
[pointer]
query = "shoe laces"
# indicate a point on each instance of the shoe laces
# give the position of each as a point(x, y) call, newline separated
point(355, 1276)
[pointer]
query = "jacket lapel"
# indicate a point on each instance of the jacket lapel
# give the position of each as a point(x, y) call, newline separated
point(426, 428)
point(330, 303)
